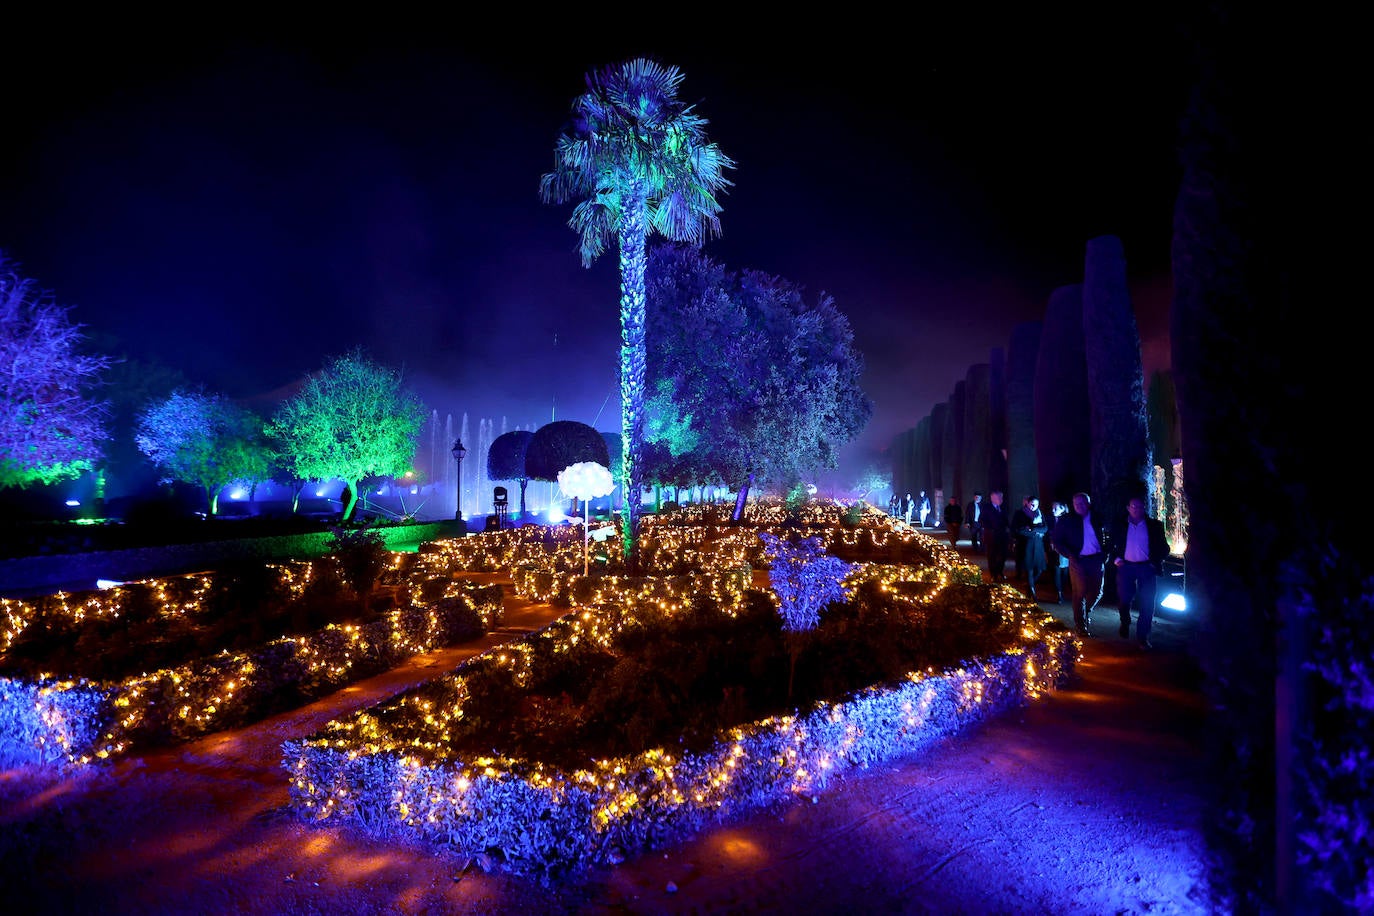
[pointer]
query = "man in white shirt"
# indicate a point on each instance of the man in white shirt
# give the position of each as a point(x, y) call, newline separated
point(1138, 549)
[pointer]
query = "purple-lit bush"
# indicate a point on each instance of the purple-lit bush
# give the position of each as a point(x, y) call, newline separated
point(1335, 827)
point(804, 578)
point(626, 725)
point(805, 581)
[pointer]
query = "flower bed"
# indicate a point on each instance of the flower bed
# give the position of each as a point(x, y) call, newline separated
point(66, 720)
point(431, 764)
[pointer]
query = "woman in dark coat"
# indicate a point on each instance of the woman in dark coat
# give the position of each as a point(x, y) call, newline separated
point(1030, 527)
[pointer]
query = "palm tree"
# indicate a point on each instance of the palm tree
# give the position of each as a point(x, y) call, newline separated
point(637, 160)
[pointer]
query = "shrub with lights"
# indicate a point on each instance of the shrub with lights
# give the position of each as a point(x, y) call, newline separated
point(635, 720)
point(84, 677)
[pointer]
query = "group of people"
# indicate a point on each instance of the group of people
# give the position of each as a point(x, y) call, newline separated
point(913, 510)
point(1072, 545)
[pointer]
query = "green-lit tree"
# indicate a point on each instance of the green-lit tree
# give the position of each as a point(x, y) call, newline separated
point(203, 439)
point(636, 159)
point(351, 420)
point(50, 427)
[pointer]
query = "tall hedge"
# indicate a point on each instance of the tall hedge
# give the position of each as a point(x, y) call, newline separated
point(922, 457)
point(952, 447)
point(1122, 465)
point(997, 419)
point(1022, 475)
point(1062, 440)
point(939, 417)
point(978, 438)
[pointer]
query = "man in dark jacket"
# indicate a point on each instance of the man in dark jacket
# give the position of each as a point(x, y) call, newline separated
point(1028, 526)
point(997, 535)
point(1079, 537)
point(1138, 550)
point(954, 520)
point(973, 517)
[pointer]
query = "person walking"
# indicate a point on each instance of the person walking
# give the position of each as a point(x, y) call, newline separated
point(954, 520)
point(923, 507)
point(1029, 526)
point(1079, 537)
point(908, 507)
point(1058, 562)
point(973, 517)
point(1138, 549)
point(996, 535)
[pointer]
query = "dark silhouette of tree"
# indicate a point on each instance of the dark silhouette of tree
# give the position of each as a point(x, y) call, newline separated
point(939, 417)
point(1022, 351)
point(922, 457)
point(1266, 374)
point(561, 444)
point(977, 438)
point(506, 460)
point(50, 425)
point(1063, 449)
point(133, 384)
point(997, 420)
point(902, 450)
point(1161, 410)
point(637, 160)
point(952, 447)
point(1120, 444)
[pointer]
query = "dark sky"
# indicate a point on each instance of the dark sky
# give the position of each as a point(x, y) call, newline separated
point(243, 203)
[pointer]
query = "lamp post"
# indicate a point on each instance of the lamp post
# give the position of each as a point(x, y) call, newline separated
point(458, 452)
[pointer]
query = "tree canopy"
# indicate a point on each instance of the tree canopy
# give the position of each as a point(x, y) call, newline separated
point(506, 460)
point(203, 439)
point(50, 425)
point(561, 444)
point(749, 376)
point(351, 420)
point(636, 159)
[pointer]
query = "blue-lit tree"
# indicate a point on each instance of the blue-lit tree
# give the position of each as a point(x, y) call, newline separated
point(351, 420)
point(50, 426)
point(636, 159)
point(203, 439)
point(755, 380)
point(806, 580)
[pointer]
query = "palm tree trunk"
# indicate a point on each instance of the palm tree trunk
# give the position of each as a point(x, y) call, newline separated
point(633, 233)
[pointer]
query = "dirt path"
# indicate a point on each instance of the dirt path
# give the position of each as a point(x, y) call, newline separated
point(1089, 801)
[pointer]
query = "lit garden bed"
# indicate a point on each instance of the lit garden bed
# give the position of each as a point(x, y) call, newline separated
point(58, 717)
point(512, 755)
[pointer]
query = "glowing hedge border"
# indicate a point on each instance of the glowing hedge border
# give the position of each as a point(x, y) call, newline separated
point(57, 722)
point(538, 820)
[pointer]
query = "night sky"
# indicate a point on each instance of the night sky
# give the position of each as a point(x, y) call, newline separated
point(243, 203)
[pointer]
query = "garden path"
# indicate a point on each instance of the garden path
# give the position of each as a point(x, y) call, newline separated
point(1088, 801)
